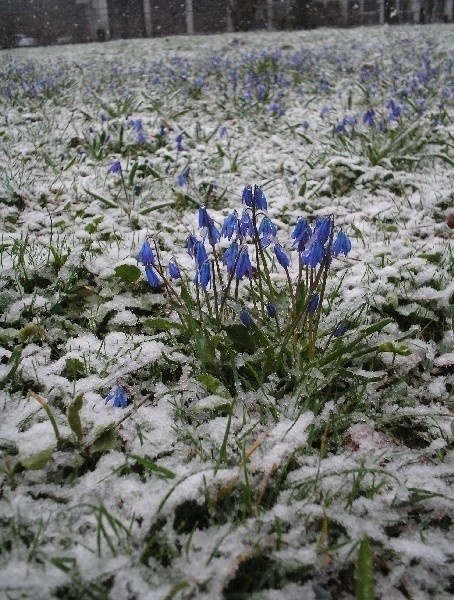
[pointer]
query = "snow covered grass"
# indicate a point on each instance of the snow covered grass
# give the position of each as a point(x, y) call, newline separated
point(303, 455)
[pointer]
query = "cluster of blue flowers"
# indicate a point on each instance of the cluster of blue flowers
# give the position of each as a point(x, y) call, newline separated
point(314, 243)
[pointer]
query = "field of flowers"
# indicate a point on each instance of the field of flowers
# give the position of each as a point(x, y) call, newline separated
point(226, 344)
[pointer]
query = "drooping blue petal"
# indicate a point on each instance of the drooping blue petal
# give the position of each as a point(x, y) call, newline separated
point(245, 317)
point(204, 218)
point(340, 329)
point(200, 253)
point(191, 241)
point(313, 255)
point(205, 274)
point(174, 271)
point(268, 231)
point(145, 255)
point(229, 257)
point(323, 229)
point(118, 396)
point(271, 310)
point(243, 265)
point(247, 196)
point(282, 257)
point(213, 233)
point(313, 303)
point(246, 225)
point(260, 199)
point(152, 276)
point(230, 226)
point(115, 167)
point(341, 245)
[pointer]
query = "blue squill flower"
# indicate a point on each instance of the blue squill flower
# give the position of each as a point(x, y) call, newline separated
point(200, 253)
point(213, 233)
point(323, 229)
point(152, 276)
point(268, 231)
point(340, 329)
point(271, 310)
point(204, 218)
point(174, 271)
point(246, 225)
point(313, 303)
point(223, 132)
point(281, 255)
point(182, 178)
point(243, 265)
point(229, 257)
point(301, 234)
point(179, 142)
point(141, 137)
point(247, 196)
point(230, 226)
point(313, 255)
point(118, 397)
point(191, 241)
point(205, 274)
point(341, 245)
point(260, 199)
point(145, 255)
point(115, 167)
point(245, 317)
point(368, 117)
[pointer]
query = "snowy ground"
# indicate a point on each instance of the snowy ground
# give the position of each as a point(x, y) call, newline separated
point(201, 489)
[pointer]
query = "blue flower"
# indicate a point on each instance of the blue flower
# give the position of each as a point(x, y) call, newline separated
point(260, 199)
point(268, 231)
point(179, 140)
point(141, 137)
point(191, 241)
point(302, 233)
point(204, 218)
point(152, 276)
point(200, 253)
point(205, 274)
point(246, 225)
point(245, 317)
point(276, 109)
point(243, 265)
point(229, 257)
point(313, 255)
point(223, 133)
point(115, 167)
point(282, 257)
point(313, 303)
point(118, 395)
point(271, 310)
point(341, 245)
point(174, 271)
point(213, 233)
point(247, 196)
point(182, 178)
point(230, 226)
point(368, 117)
point(145, 255)
point(323, 229)
point(340, 329)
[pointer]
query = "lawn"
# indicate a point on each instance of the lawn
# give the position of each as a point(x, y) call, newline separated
point(226, 343)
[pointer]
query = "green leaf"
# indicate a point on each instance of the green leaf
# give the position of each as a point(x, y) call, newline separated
point(240, 337)
point(38, 460)
point(108, 203)
point(364, 572)
point(159, 324)
point(152, 466)
point(106, 440)
point(13, 362)
point(212, 384)
point(400, 349)
point(128, 273)
point(74, 418)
